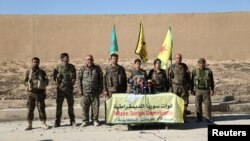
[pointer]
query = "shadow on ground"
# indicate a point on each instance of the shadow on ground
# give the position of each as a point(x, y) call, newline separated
point(231, 117)
point(189, 124)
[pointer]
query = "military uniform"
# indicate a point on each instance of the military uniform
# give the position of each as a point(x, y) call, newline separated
point(115, 79)
point(133, 73)
point(159, 80)
point(202, 84)
point(36, 80)
point(180, 81)
point(90, 83)
point(65, 76)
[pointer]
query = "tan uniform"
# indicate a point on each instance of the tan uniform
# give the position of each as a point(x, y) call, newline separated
point(90, 81)
point(202, 84)
point(36, 81)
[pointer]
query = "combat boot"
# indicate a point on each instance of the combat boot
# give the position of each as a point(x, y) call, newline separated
point(44, 125)
point(73, 124)
point(57, 125)
point(187, 112)
point(96, 123)
point(84, 124)
point(29, 125)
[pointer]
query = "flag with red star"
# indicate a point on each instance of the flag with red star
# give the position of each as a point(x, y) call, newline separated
point(166, 49)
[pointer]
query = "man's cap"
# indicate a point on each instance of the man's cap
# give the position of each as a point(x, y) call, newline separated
point(201, 60)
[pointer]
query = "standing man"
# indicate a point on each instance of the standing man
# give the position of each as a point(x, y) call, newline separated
point(202, 87)
point(90, 78)
point(115, 79)
point(36, 81)
point(179, 76)
point(137, 70)
point(158, 77)
point(65, 77)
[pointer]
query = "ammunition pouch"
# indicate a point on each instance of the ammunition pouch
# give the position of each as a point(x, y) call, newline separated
point(203, 83)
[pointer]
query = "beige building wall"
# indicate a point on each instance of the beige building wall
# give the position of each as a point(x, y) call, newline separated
point(214, 36)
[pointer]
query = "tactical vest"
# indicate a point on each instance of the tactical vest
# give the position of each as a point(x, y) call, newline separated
point(90, 79)
point(179, 74)
point(37, 80)
point(202, 81)
point(115, 77)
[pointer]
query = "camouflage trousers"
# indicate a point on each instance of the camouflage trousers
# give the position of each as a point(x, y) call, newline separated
point(68, 94)
point(87, 102)
point(181, 91)
point(203, 96)
point(36, 99)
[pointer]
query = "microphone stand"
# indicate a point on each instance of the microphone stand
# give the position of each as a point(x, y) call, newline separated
point(144, 90)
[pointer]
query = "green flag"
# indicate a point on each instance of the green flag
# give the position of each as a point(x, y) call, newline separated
point(114, 45)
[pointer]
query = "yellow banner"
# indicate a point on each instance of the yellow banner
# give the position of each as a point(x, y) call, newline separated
point(130, 108)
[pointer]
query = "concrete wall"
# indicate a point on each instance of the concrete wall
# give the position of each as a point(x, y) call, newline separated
point(214, 36)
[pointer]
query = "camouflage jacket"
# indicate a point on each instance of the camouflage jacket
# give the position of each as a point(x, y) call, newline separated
point(179, 74)
point(159, 80)
point(90, 80)
point(65, 76)
point(36, 79)
point(115, 79)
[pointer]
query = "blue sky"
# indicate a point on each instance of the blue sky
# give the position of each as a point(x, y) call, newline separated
point(54, 7)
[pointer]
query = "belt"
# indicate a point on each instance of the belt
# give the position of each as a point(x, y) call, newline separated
point(179, 83)
point(202, 89)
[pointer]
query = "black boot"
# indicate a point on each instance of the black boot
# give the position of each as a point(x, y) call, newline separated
point(57, 124)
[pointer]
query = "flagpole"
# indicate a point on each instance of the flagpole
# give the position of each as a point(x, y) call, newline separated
point(171, 70)
point(172, 47)
point(171, 63)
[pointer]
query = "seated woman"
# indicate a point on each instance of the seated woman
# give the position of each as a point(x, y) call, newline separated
point(158, 77)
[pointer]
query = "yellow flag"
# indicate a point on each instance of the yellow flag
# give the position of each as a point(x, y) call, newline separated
point(141, 48)
point(166, 49)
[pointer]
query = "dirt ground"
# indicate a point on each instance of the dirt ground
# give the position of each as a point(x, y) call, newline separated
point(190, 131)
point(231, 76)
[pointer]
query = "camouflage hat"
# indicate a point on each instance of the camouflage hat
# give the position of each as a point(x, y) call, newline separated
point(201, 60)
